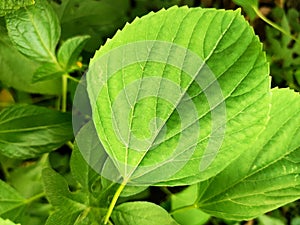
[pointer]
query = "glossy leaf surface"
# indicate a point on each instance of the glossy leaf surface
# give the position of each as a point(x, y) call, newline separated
point(27, 131)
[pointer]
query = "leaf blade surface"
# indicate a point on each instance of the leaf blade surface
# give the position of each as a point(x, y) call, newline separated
point(145, 143)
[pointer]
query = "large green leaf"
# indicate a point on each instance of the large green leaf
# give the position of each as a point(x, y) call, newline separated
point(266, 176)
point(132, 213)
point(9, 6)
point(35, 30)
point(16, 70)
point(27, 131)
point(163, 97)
point(98, 19)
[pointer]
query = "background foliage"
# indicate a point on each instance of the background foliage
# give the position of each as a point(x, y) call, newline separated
point(85, 25)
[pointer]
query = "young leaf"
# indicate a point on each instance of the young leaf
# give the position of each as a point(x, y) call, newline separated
point(248, 6)
point(9, 6)
point(57, 191)
point(12, 204)
point(35, 30)
point(7, 222)
point(27, 131)
point(268, 174)
point(189, 216)
point(70, 50)
point(163, 98)
point(17, 70)
point(97, 19)
point(70, 208)
point(48, 71)
point(146, 213)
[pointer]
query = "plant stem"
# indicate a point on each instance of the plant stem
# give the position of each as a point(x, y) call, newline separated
point(114, 201)
point(274, 25)
point(64, 92)
point(44, 160)
point(110, 223)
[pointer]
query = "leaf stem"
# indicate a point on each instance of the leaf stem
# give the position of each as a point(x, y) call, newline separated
point(271, 23)
point(73, 78)
point(64, 92)
point(44, 160)
point(35, 197)
point(114, 201)
point(70, 145)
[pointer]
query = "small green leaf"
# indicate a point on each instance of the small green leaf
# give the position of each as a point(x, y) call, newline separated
point(27, 131)
point(146, 213)
point(248, 6)
point(35, 30)
point(7, 222)
point(293, 15)
point(70, 208)
point(12, 204)
point(48, 71)
point(17, 70)
point(68, 205)
point(268, 173)
point(9, 6)
point(191, 215)
point(284, 66)
point(70, 50)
